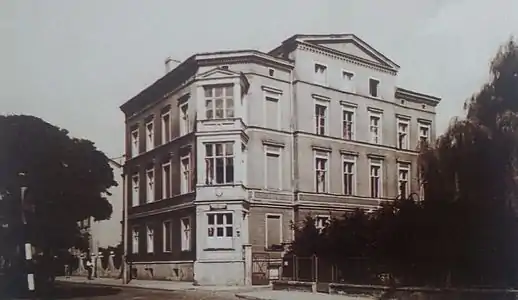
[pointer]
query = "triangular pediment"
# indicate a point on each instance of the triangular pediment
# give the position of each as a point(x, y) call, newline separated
point(217, 73)
point(349, 44)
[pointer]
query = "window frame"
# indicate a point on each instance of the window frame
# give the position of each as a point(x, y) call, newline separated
point(321, 217)
point(426, 125)
point(153, 191)
point(164, 236)
point(166, 184)
point(353, 160)
point(188, 170)
point(407, 133)
point(183, 118)
point(224, 96)
point(317, 118)
point(214, 157)
point(135, 239)
point(220, 242)
point(378, 163)
point(133, 186)
point(326, 157)
point(349, 87)
point(378, 82)
point(378, 115)
point(325, 73)
point(150, 136)
point(150, 239)
point(188, 244)
point(281, 236)
point(277, 98)
point(165, 139)
point(351, 110)
point(135, 142)
point(402, 166)
point(269, 149)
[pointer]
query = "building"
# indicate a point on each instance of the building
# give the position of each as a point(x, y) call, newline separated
point(228, 148)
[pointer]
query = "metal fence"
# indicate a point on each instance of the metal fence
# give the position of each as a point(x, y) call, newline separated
point(315, 269)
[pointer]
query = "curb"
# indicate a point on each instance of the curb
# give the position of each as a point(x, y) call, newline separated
point(247, 297)
point(100, 284)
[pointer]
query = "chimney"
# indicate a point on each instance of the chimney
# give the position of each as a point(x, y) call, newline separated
point(169, 64)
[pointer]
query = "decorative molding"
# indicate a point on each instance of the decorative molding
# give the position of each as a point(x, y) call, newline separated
point(348, 104)
point(349, 152)
point(321, 148)
point(321, 97)
point(424, 121)
point(272, 89)
point(376, 156)
point(404, 117)
point(375, 109)
point(273, 143)
point(403, 161)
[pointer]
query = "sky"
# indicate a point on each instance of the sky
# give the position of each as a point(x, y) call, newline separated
point(73, 63)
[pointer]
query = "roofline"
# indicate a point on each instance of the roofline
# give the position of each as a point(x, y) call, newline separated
point(118, 165)
point(417, 96)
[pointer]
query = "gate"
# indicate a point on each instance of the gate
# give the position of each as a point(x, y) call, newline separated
point(260, 268)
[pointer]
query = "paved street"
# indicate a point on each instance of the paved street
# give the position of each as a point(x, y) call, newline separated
point(82, 292)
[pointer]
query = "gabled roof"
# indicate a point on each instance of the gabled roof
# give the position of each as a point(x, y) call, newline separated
point(328, 40)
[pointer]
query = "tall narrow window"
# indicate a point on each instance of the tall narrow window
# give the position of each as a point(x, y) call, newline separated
point(424, 132)
point(166, 181)
point(135, 188)
point(321, 181)
point(150, 243)
point(166, 127)
point(150, 182)
point(219, 159)
point(403, 182)
point(320, 74)
point(184, 119)
point(167, 238)
point(348, 123)
point(375, 128)
point(373, 87)
point(220, 230)
point(134, 143)
point(347, 78)
point(375, 178)
point(150, 136)
point(273, 231)
point(320, 119)
point(272, 114)
point(273, 167)
point(135, 240)
point(402, 133)
point(186, 234)
point(349, 169)
point(219, 102)
point(185, 182)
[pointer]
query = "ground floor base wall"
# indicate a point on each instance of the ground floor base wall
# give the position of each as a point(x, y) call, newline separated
point(228, 273)
point(163, 271)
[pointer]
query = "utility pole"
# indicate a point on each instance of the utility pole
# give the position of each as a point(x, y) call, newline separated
point(28, 246)
point(125, 229)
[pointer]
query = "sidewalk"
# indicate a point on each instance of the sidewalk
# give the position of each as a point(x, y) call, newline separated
point(160, 285)
point(291, 295)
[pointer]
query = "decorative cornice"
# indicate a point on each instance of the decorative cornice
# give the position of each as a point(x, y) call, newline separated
point(271, 89)
point(424, 121)
point(416, 97)
point(375, 109)
point(403, 161)
point(348, 104)
point(404, 117)
point(272, 143)
point(320, 148)
point(321, 97)
point(376, 156)
point(349, 152)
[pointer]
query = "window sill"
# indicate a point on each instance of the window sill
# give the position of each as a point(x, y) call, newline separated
point(218, 249)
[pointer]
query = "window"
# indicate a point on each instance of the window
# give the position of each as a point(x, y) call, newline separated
point(348, 123)
point(186, 234)
point(220, 229)
point(402, 134)
point(321, 222)
point(150, 139)
point(424, 132)
point(273, 234)
point(320, 74)
point(135, 239)
point(272, 113)
point(166, 181)
point(421, 187)
point(185, 182)
point(320, 119)
point(150, 188)
point(321, 172)
point(184, 119)
point(135, 187)
point(375, 178)
point(273, 168)
point(134, 143)
point(166, 127)
point(219, 102)
point(349, 169)
point(373, 87)
point(375, 128)
point(167, 238)
point(348, 81)
point(150, 242)
point(219, 160)
point(403, 180)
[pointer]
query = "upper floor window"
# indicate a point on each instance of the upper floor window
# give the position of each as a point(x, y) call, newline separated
point(349, 170)
point(348, 123)
point(166, 127)
point(320, 74)
point(150, 135)
point(347, 78)
point(167, 232)
point(134, 142)
point(402, 134)
point(150, 188)
point(424, 132)
point(219, 102)
point(320, 118)
point(375, 128)
point(273, 168)
point(184, 119)
point(375, 178)
point(373, 87)
point(273, 231)
point(403, 179)
point(135, 185)
point(219, 163)
point(272, 113)
point(185, 181)
point(321, 174)
point(322, 222)
point(166, 180)
point(220, 229)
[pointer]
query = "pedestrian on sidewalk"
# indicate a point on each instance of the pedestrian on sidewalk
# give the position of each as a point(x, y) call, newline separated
point(89, 267)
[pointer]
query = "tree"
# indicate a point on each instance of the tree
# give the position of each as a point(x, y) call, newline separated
point(67, 179)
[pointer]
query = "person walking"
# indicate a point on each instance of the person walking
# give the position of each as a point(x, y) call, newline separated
point(89, 267)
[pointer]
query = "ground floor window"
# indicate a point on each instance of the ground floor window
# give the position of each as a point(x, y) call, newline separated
point(220, 229)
